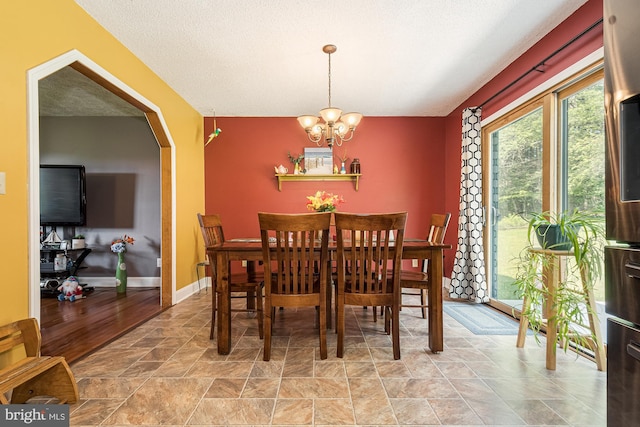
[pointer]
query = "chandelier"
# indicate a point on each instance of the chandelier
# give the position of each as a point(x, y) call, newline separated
point(337, 127)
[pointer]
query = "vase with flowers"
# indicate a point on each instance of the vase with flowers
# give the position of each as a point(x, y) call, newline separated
point(323, 202)
point(119, 247)
point(343, 160)
point(297, 169)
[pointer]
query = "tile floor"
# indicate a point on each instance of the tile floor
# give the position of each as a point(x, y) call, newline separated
point(168, 373)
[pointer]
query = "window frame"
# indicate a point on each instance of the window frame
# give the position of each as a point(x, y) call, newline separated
point(552, 157)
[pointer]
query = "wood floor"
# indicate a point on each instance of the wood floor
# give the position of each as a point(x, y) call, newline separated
point(75, 329)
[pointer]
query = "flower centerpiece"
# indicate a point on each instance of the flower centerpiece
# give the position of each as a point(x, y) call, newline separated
point(119, 246)
point(323, 201)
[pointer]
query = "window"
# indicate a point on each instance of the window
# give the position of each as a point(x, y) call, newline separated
point(547, 154)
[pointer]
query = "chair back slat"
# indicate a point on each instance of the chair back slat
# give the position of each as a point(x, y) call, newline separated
point(438, 229)
point(293, 252)
point(294, 246)
point(367, 255)
point(212, 231)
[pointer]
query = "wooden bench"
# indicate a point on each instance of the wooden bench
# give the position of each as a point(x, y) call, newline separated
point(33, 375)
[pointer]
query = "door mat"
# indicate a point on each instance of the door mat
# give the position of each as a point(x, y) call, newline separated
point(481, 319)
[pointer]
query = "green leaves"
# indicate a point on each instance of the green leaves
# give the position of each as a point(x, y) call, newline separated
point(585, 235)
point(295, 160)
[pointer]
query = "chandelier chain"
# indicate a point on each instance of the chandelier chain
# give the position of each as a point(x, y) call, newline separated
point(329, 80)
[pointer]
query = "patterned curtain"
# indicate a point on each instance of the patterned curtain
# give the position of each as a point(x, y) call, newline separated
point(468, 280)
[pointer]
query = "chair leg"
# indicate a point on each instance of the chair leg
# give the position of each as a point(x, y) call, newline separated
point(395, 333)
point(329, 299)
point(335, 314)
point(260, 313)
point(423, 302)
point(340, 326)
point(267, 330)
point(387, 320)
point(251, 300)
point(322, 312)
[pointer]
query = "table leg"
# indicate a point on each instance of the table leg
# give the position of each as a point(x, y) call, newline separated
point(329, 293)
point(224, 303)
point(214, 295)
point(435, 302)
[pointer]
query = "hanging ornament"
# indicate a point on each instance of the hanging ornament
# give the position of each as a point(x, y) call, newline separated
point(216, 130)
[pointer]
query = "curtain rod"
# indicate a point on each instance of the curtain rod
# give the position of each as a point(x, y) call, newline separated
point(539, 64)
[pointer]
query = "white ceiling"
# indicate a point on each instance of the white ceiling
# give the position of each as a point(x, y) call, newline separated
point(264, 57)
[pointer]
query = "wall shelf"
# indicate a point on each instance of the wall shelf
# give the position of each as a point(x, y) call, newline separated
point(355, 177)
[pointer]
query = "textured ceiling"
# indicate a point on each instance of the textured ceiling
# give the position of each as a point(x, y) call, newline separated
point(264, 57)
point(70, 93)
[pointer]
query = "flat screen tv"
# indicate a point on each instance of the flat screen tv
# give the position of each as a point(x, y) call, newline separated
point(63, 195)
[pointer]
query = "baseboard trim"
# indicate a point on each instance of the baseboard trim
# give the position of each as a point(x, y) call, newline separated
point(110, 282)
point(192, 288)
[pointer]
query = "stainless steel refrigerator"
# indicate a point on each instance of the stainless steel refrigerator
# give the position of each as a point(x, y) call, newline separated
point(622, 261)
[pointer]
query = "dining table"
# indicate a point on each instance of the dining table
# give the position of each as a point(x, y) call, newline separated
point(250, 250)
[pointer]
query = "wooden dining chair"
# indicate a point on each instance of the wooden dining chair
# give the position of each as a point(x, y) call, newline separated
point(295, 255)
point(248, 285)
point(411, 279)
point(368, 263)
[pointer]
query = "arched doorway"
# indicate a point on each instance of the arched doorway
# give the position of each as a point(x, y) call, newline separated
point(88, 68)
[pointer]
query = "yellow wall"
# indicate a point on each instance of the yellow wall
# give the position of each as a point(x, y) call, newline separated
point(34, 32)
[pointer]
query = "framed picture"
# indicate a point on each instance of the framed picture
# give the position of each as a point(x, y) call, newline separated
point(318, 161)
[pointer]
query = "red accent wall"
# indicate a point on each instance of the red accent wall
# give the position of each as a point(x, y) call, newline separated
point(408, 163)
point(402, 162)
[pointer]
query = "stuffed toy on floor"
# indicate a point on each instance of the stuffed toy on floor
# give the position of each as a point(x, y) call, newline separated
point(70, 289)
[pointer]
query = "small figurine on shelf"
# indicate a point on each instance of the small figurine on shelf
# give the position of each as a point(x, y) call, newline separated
point(296, 162)
point(281, 170)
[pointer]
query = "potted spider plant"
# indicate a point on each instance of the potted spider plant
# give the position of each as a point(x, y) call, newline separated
point(580, 234)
